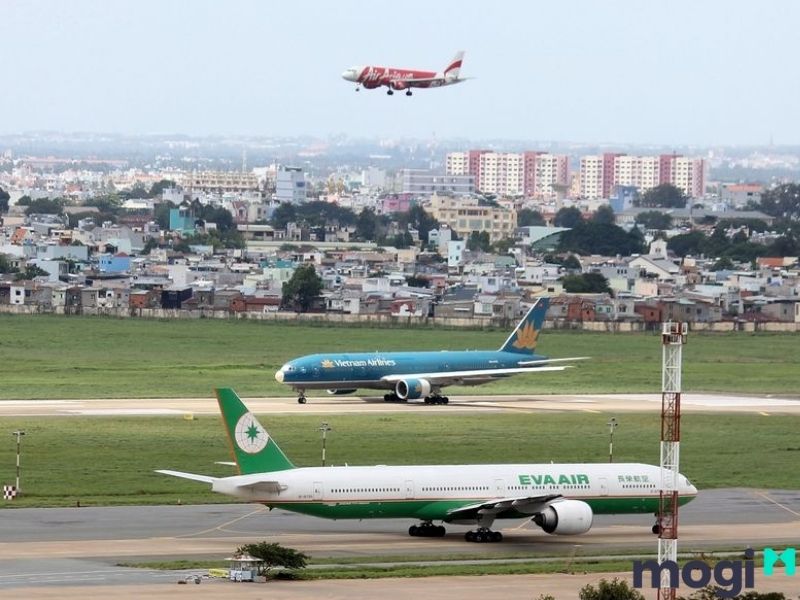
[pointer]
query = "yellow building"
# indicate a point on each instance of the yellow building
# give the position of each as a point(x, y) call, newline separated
point(465, 215)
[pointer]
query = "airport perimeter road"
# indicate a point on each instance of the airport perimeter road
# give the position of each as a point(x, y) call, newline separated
point(82, 546)
point(355, 404)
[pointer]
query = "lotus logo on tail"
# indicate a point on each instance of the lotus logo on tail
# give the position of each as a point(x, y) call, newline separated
point(526, 337)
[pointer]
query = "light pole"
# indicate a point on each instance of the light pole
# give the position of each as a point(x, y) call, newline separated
point(19, 433)
point(324, 428)
point(612, 425)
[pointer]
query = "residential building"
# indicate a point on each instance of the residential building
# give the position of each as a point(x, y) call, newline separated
point(465, 215)
point(290, 185)
point(423, 182)
point(530, 174)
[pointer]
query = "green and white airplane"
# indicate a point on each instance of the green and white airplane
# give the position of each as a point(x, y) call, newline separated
point(560, 498)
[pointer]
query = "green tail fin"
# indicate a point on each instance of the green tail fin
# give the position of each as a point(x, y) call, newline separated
point(254, 450)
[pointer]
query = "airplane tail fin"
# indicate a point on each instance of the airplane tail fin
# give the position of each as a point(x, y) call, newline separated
point(454, 67)
point(253, 449)
point(524, 337)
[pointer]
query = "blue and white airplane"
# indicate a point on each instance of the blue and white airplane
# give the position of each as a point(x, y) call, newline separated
point(415, 375)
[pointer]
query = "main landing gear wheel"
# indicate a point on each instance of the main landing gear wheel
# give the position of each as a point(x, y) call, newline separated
point(436, 399)
point(389, 92)
point(301, 399)
point(391, 397)
point(483, 536)
point(408, 93)
point(426, 529)
point(656, 529)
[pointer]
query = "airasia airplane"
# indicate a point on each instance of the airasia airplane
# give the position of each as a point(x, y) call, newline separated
point(405, 79)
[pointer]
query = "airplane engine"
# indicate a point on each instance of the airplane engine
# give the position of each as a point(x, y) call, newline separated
point(398, 85)
point(412, 389)
point(568, 517)
point(341, 392)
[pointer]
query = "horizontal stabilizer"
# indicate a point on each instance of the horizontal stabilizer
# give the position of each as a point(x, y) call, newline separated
point(192, 476)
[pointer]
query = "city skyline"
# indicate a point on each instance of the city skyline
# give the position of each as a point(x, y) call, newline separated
point(621, 72)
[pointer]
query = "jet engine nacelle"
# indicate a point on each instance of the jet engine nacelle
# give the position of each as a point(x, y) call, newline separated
point(412, 389)
point(341, 392)
point(568, 517)
point(398, 84)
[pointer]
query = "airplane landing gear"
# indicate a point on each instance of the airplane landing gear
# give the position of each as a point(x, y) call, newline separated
point(408, 93)
point(301, 399)
point(483, 535)
point(389, 92)
point(436, 399)
point(358, 89)
point(391, 397)
point(426, 529)
point(656, 529)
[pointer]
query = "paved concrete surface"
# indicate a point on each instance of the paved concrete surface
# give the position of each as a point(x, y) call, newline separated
point(353, 404)
point(82, 546)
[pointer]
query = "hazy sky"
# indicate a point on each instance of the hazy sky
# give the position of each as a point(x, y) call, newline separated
point(638, 71)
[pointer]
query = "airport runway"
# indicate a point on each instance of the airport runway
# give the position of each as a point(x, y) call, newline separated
point(691, 402)
point(83, 546)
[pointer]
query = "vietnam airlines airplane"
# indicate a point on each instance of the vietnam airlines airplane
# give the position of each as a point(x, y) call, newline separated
point(405, 79)
point(415, 375)
point(560, 498)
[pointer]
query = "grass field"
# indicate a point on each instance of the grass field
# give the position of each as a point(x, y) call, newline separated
point(103, 460)
point(45, 356)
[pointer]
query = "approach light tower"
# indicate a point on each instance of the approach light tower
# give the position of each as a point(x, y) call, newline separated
point(673, 337)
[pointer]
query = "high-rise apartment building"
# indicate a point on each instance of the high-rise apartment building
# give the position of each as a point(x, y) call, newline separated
point(600, 174)
point(530, 174)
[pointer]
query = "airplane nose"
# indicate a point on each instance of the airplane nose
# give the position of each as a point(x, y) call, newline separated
point(279, 375)
point(348, 75)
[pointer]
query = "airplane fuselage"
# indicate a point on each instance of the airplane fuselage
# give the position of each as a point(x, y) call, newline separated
point(433, 492)
point(368, 369)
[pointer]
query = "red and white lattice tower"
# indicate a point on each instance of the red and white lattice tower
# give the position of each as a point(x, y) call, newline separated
point(673, 337)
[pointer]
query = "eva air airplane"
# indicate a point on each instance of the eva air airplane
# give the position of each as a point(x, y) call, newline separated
point(415, 375)
point(560, 498)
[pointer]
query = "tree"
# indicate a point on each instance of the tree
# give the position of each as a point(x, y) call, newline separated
point(24, 200)
point(420, 220)
point(479, 240)
point(665, 195)
point(503, 246)
point(5, 265)
point(367, 225)
point(604, 215)
point(4, 198)
point(30, 272)
point(161, 214)
point(45, 206)
point(571, 262)
point(710, 593)
point(599, 238)
point(527, 218)
point(568, 217)
point(722, 264)
point(687, 243)
point(610, 590)
point(284, 214)
point(159, 186)
point(274, 555)
point(585, 283)
point(302, 289)
point(782, 201)
point(654, 219)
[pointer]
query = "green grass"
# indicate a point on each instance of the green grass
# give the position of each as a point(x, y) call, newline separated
point(44, 356)
point(105, 460)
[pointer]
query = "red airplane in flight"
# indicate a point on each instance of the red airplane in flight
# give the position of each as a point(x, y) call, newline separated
point(405, 79)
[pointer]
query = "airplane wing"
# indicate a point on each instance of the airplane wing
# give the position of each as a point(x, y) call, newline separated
point(528, 505)
point(468, 377)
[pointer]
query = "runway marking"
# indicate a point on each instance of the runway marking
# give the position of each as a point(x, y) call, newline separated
point(761, 412)
point(591, 410)
point(221, 525)
point(776, 503)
